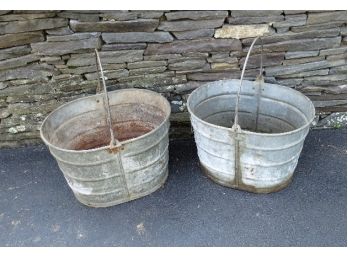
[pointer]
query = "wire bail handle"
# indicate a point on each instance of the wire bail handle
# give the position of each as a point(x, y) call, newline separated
point(113, 142)
point(235, 125)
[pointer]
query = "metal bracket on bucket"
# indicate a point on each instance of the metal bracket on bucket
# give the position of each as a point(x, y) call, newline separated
point(114, 143)
point(236, 129)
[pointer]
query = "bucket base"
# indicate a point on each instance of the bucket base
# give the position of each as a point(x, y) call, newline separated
point(244, 187)
point(124, 200)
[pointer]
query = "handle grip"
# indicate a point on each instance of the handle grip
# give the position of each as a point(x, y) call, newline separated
point(113, 142)
point(235, 123)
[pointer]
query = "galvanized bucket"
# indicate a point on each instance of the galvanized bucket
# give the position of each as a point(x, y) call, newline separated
point(249, 134)
point(134, 164)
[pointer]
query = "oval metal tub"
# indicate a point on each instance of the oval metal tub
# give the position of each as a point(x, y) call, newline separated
point(259, 153)
point(77, 136)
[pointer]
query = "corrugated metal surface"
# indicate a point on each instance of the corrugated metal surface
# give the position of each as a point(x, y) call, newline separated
point(77, 135)
point(262, 154)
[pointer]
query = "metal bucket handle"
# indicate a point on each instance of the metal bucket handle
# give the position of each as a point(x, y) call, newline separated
point(235, 126)
point(114, 143)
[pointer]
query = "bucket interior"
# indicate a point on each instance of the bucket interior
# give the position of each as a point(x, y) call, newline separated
point(90, 130)
point(87, 128)
point(277, 110)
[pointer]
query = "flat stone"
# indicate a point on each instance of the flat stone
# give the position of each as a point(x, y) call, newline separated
point(52, 59)
point(18, 39)
point(187, 64)
point(78, 70)
point(291, 20)
point(338, 70)
point(66, 47)
point(3, 85)
point(30, 89)
point(149, 14)
point(281, 30)
point(338, 119)
point(4, 113)
point(324, 17)
point(186, 58)
point(299, 45)
point(293, 36)
point(28, 108)
point(301, 54)
point(158, 57)
point(24, 81)
point(294, 11)
point(303, 60)
point(224, 66)
point(242, 31)
point(196, 45)
point(73, 37)
point(344, 30)
point(217, 59)
point(18, 61)
point(195, 54)
point(255, 13)
point(33, 11)
point(137, 37)
point(153, 80)
point(333, 51)
point(322, 72)
point(184, 25)
point(293, 82)
point(196, 15)
point(337, 57)
point(324, 83)
point(212, 76)
point(2, 12)
point(205, 68)
point(194, 34)
point(91, 69)
point(236, 54)
point(146, 64)
point(108, 74)
point(28, 72)
point(291, 69)
point(328, 25)
point(335, 63)
point(13, 52)
point(122, 15)
point(255, 20)
point(31, 25)
point(59, 31)
point(334, 77)
point(268, 60)
point(106, 57)
point(139, 25)
point(24, 17)
point(147, 70)
point(116, 47)
point(335, 91)
point(181, 88)
point(79, 16)
point(77, 86)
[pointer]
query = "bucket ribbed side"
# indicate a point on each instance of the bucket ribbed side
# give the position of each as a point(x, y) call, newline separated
point(260, 161)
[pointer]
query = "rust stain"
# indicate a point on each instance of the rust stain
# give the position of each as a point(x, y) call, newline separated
point(100, 136)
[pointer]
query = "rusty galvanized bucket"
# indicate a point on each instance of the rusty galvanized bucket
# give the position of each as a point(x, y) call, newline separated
point(249, 134)
point(111, 147)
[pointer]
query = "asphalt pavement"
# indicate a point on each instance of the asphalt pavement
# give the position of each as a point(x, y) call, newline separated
point(37, 208)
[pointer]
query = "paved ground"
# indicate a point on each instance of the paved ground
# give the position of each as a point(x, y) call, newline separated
point(38, 209)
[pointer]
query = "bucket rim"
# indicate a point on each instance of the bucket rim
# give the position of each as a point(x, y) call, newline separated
point(246, 131)
point(165, 120)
